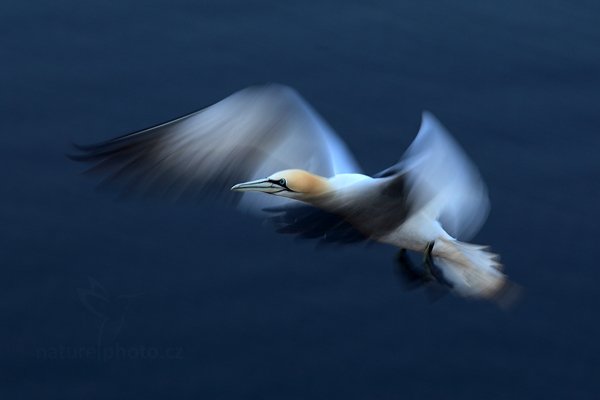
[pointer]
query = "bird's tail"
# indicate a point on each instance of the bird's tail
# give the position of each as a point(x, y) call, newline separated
point(472, 271)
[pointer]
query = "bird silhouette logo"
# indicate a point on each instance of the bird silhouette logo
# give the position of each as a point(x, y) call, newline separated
point(110, 310)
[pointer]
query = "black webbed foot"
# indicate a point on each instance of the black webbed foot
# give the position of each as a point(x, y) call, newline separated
point(428, 276)
point(411, 276)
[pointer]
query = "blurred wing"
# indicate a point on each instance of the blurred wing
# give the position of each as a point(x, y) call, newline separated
point(308, 222)
point(248, 135)
point(442, 179)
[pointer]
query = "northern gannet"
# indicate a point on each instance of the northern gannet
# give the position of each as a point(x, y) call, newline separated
point(272, 141)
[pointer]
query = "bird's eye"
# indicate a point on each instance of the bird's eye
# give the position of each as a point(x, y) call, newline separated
point(282, 182)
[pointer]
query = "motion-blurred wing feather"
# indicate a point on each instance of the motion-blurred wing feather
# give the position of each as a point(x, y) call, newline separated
point(248, 135)
point(442, 179)
point(308, 222)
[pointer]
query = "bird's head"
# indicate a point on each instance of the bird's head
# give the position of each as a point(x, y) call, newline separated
point(292, 183)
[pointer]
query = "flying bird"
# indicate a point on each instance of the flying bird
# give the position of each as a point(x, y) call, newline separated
point(268, 139)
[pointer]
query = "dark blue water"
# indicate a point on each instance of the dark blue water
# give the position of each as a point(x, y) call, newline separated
point(102, 298)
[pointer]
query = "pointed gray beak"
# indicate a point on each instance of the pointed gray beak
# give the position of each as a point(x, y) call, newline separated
point(259, 185)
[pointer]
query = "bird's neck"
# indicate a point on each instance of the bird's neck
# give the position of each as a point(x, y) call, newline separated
point(326, 193)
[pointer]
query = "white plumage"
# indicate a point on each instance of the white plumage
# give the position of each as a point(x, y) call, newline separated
point(272, 141)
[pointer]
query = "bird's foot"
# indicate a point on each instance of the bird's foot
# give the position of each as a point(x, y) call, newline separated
point(413, 277)
point(428, 266)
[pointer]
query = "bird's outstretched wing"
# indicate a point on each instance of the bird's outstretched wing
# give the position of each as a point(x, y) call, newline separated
point(442, 181)
point(307, 222)
point(248, 135)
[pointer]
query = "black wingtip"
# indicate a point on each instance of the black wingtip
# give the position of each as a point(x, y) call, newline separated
point(85, 152)
point(80, 153)
point(77, 157)
point(94, 151)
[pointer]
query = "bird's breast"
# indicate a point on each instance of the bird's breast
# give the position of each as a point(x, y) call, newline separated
point(415, 233)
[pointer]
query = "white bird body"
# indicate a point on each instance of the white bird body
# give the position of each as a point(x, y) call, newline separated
point(422, 203)
point(416, 233)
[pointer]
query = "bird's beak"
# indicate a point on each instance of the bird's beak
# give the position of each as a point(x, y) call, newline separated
point(259, 185)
